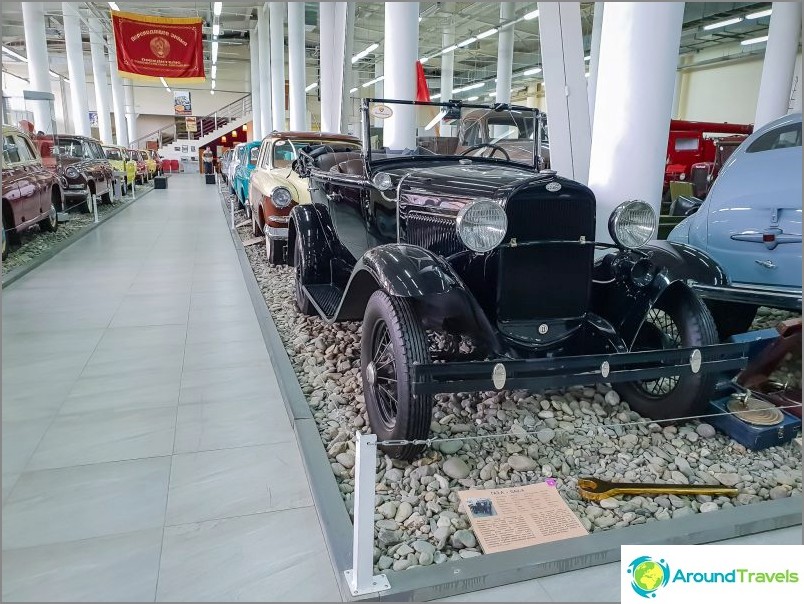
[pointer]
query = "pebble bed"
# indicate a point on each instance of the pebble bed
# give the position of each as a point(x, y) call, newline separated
point(34, 242)
point(561, 434)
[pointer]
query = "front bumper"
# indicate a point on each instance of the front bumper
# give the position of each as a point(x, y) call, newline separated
point(558, 372)
point(746, 293)
point(70, 193)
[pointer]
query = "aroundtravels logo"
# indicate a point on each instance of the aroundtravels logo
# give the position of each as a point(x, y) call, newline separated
point(648, 575)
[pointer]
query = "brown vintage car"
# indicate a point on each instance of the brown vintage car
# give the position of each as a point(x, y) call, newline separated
point(82, 165)
point(30, 192)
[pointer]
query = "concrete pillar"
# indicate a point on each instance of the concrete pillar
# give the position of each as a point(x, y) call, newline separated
point(348, 72)
point(400, 56)
point(296, 67)
point(594, 59)
point(277, 26)
point(780, 59)
point(118, 101)
point(632, 110)
point(131, 114)
point(505, 54)
point(264, 39)
point(79, 104)
point(254, 55)
point(99, 77)
point(332, 25)
point(33, 20)
point(565, 82)
point(447, 63)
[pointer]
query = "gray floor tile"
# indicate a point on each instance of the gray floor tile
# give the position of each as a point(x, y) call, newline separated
point(158, 387)
point(235, 423)
point(117, 568)
point(68, 504)
point(135, 338)
point(278, 556)
point(236, 482)
point(240, 330)
point(20, 439)
point(102, 436)
point(33, 401)
point(227, 383)
point(210, 355)
point(9, 480)
point(129, 360)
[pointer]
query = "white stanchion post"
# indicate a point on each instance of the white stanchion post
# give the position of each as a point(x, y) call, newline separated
point(361, 578)
point(231, 203)
point(95, 207)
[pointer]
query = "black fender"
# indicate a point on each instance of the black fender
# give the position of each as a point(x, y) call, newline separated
point(686, 263)
point(306, 223)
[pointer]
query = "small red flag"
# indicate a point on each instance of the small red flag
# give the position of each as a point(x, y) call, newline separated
point(422, 92)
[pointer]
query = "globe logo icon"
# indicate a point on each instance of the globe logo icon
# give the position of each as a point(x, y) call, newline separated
point(648, 575)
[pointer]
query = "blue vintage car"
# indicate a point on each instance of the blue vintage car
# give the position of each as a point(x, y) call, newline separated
point(247, 160)
point(750, 223)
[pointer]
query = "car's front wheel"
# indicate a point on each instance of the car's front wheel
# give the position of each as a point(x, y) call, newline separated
point(393, 341)
point(679, 319)
point(51, 222)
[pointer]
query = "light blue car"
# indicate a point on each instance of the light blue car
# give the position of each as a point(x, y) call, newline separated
point(750, 224)
point(247, 156)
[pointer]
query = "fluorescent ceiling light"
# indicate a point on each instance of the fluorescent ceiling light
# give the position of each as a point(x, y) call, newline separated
point(113, 6)
point(365, 52)
point(531, 15)
point(487, 33)
point(16, 55)
point(374, 81)
point(754, 40)
point(760, 14)
point(470, 87)
point(424, 60)
point(216, 8)
point(352, 90)
point(473, 98)
point(435, 96)
point(587, 58)
point(723, 23)
point(467, 42)
point(436, 119)
point(216, 29)
point(533, 71)
point(449, 49)
point(493, 93)
point(214, 52)
point(214, 71)
point(312, 86)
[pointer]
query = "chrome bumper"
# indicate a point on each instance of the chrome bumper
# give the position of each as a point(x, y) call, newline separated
point(746, 293)
point(275, 232)
point(73, 193)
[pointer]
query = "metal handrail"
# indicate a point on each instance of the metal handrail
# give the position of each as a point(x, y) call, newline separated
point(229, 112)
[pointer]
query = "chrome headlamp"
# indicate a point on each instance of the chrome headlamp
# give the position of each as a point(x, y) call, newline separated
point(482, 225)
point(281, 197)
point(71, 172)
point(382, 181)
point(632, 224)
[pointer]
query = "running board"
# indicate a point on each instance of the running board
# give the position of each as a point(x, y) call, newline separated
point(325, 298)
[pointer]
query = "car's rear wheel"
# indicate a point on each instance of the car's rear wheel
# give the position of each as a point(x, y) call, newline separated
point(302, 275)
point(393, 341)
point(679, 319)
point(51, 222)
point(731, 318)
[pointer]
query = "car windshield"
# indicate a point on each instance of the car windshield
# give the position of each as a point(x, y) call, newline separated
point(400, 129)
point(285, 149)
point(72, 148)
point(133, 155)
point(113, 154)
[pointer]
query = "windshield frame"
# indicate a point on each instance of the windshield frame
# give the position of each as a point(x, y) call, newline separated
point(454, 104)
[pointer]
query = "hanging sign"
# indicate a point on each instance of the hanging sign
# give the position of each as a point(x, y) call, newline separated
point(191, 124)
point(158, 47)
point(181, 102)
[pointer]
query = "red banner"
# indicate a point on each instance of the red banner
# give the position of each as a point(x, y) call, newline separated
point(159, 47)
point(422, 91)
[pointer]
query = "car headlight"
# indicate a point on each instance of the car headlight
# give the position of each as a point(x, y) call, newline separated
point(682, 176)
point(632, 224)
point(281, 197)
point(71, 172)
point(482, 225)
point(382, 181)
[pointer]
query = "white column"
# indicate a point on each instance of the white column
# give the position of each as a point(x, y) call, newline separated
point(562, 61)
point(632, 109)
point(131, 114)
point(447, 64)
point(401, 53)
point(594, 58)
point(118, 101)
point(278, 64)
point(79, 104)
point(332, 25)
point(254, 55)
point(264, 39)
point(33, 20)
point(505, 54)
point(780, 59)
point(296, 75)
point(348, 72)
point(99, 77)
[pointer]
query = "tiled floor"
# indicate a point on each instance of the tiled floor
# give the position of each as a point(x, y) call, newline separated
point(146, 449)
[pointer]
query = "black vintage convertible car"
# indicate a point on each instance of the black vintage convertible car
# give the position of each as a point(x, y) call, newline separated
point(498, 262)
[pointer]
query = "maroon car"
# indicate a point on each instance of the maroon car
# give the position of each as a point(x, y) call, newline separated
point(30, 192)
point(83, 167)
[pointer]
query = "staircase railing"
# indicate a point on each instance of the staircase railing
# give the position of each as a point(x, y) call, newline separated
point(204, 124)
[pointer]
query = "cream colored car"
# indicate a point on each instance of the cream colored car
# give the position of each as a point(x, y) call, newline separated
point(275, 187)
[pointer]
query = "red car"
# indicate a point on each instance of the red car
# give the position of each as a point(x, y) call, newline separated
point(136, 156)
point(30, 191)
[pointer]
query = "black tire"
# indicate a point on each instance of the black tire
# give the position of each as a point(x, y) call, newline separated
point(393, 340)
point(731, 317)
point(11, 237)
point(106, 197)
point(679, 319)
point(303, 303)
point(51, 222)
point(87, 206)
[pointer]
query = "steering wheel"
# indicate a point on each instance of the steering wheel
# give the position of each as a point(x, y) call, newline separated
point(493, 148)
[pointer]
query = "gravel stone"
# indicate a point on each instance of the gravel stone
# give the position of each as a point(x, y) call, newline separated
point(456, 468)
point(464, 538)
point(520, 463)
point(705, 430)
point(709, 506)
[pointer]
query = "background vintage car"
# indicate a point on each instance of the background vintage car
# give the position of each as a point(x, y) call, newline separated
point(30, 191)
point(231, 167)
point(751, 224)
point(248, 160)
point(82, 163)
point(150, 163)
point(140, 166)
point(154, 156)
point(124, 168)
point(274, 170)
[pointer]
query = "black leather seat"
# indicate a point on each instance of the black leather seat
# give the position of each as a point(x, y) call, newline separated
point(685, 206)
point(328, 161)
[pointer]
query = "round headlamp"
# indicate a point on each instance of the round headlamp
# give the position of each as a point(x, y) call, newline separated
point(382, 181)
point(482, 225)
point(281, 197)
point(71, 172)
point(632, 224)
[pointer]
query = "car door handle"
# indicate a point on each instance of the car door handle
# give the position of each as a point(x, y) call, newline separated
point(766, 263)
